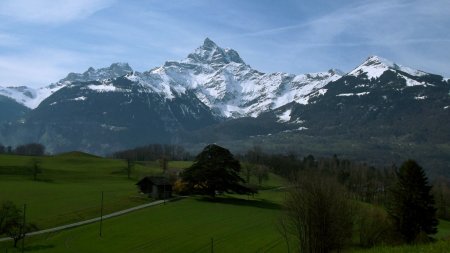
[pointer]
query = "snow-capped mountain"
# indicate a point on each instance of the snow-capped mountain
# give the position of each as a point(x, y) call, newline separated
point(375, 66)
point(217, 76)
point(31, 97)
point(378, 97)
point(381, 113)
point(230, 87)
point(213, 95)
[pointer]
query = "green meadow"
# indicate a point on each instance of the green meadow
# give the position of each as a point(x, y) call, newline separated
point(69, 189)
point(188, 225)
point(70, 186)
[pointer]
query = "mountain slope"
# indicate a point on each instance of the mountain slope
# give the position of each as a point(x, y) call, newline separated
point(214, 96)
point(31, 97)
point(230, 87)
point(378, 98)
point(11, 111)
point(380, 113)
point(107, 115)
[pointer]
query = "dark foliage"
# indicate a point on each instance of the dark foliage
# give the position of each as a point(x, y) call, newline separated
point(11, 222)
point(365, 183)
point(9, 213)
point(153, 152)
point(318, 214)
point(412, 204)
point(31, 149)
point(215, 170)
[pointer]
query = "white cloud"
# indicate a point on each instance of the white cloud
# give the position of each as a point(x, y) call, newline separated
point(50, 11)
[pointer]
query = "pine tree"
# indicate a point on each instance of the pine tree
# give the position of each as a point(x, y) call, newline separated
point(412, 204)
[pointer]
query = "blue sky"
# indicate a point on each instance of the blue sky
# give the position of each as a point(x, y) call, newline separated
point(43, 40)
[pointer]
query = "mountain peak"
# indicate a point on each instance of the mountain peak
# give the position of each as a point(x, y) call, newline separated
point(91, 74)
point(377, 60)
point(211, 53)
point(336, 72)
point(124, 66)
point(374, 66)
point(208, 43)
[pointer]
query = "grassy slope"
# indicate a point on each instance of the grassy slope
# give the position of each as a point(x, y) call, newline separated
point(69, 188)
point(184, 226)
point(236, 224)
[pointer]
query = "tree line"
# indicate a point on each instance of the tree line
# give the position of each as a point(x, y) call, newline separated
point(154, 152)
point(30, 149)
point(364, 182)
point(324, 206)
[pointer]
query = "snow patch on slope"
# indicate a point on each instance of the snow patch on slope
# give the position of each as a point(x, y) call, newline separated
point(420, 97)
point(353, 94)
point(82, 98)
point(102, 88)
point(285, 116)
point(29, 97)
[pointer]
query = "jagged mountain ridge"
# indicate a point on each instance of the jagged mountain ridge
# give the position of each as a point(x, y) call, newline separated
point(217, 76)
point(31, 97)
point(214, 95)
point(380, 113)
point(377, 90)
point(230, 87)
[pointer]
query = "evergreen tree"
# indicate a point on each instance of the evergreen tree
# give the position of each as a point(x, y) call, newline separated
point(412, 204)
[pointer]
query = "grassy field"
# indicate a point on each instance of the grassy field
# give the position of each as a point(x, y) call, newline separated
point(69, 190)
point(70, 185)
point(437, 247)
point(187, 225)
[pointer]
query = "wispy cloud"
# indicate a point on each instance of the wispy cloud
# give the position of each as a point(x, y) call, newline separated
point(369, 23)
point(42, 40)
point(358, 29)
point(50, 11)
point(38, 66)
point(8, 40)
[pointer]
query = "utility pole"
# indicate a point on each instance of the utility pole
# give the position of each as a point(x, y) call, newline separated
point(212, 245)
point(164, 194)
point(23, 227)
point(101, 216)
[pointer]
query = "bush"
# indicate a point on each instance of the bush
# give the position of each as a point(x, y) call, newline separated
point(374, 227)
point(318, 214)
point(180, 187)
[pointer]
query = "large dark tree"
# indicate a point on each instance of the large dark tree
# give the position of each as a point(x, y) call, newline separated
point(412, 204)
point(215, 170)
